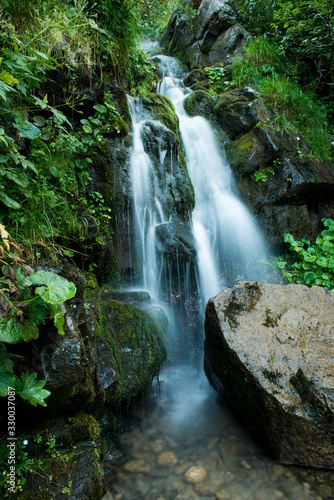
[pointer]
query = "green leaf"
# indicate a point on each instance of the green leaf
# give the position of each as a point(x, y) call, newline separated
point(54, 171)
point(99, 240)
point(56, 289)
point(100, 108)
point(57, 314)
point(68, 253)
point(9, 202)
point(87, 129)
point(288, 238)
point(309, 258)
point(7, 77)
point(309, 278)
point(31, 389)
point(295, 11)
point(39, 121)
point(28, 130)
point(26, 163)
point(322, 261)
point(37, 312)
point(13, 332)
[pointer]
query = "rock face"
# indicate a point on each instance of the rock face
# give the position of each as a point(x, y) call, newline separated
point(204, 38)
point(269, 351)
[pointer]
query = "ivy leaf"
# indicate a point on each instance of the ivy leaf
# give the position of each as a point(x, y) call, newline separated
point(31, 389)
point(37, 312)
point(13, 332)
point(56, 289)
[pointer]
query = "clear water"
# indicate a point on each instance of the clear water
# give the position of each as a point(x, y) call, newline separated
point(189, 420)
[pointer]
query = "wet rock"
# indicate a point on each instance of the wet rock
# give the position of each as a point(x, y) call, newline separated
point(212, 37)
point(166, 459)
point(238, 111)
point(269, 351)
point(195, 474)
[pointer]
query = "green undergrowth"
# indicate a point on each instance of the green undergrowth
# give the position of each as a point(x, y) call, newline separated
point(293, 108)
point(310, 263)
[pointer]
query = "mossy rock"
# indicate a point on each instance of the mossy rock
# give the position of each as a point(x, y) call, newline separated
point(200, 103)
point(139, 345)
point(163, 110)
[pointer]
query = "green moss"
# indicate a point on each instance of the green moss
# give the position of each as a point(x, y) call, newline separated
point(163, 110)
point(237, 152)
point(93, 426)
point(270, 321)
point(200, 103)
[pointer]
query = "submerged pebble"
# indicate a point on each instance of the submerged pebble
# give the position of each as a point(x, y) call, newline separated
point(166, 459)
point(195, 474)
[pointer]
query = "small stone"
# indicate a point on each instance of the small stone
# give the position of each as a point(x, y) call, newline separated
point(211, 465)
point(166, 459)
point(202, 489)
point(137, 466)
point(278, 494)
point(223, 495)
point(158, 445)
point(195, 474)
point(245, 464)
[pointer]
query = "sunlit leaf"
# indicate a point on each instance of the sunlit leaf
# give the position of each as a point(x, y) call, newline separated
point(56, 289)
point(31, 389)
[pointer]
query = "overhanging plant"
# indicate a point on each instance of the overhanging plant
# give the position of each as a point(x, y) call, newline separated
point(27, 299)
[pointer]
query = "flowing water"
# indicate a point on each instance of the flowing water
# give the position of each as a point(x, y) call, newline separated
point(184, 423)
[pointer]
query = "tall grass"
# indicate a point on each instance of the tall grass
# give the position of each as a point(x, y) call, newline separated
point(293, 109)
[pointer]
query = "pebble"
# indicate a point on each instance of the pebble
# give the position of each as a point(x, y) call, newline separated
point(158, 445)
point(195, 474)
point(166, 459)
point(202, 489)
point(278, 494)
point(137, 466)
point(223, 495)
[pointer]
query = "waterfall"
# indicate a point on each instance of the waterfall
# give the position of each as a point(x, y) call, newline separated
point(227, 239)
point(148, 210)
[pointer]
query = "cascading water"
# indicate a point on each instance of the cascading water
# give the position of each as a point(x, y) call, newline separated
point(190, 426)
point(225, 233)
point(147, 206)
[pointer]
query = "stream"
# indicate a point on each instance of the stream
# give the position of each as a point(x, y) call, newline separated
point(182, 442)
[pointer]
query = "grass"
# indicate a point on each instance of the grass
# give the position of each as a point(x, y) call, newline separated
point(294, 109)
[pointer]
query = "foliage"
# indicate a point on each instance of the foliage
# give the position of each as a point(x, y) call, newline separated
point(217, 79)
point(255, 15)
point(261, 175)
point(294, 110)
point(310, 263)
point(188, 11)
point(306, 28)
point(22, 311)
point(155, 15)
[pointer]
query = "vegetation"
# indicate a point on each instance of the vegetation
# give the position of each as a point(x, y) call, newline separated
point(302, 34)
point(294, 109)
point(309, 263)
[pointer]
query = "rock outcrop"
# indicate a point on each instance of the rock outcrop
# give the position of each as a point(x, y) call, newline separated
point(205, 37)
point(269, 351)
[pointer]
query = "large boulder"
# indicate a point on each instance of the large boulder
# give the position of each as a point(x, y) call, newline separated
point(205, 37)
point(269, 351)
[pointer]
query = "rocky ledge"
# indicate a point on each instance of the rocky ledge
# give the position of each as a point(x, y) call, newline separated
point(269, 351)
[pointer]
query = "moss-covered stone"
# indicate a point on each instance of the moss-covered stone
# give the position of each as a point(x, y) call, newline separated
point(200, 103)
point(163, 110)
